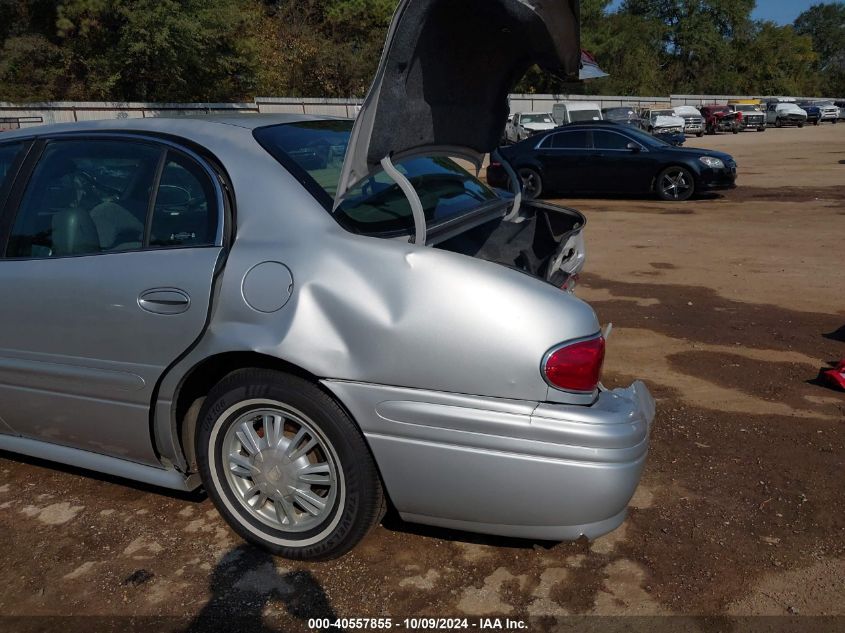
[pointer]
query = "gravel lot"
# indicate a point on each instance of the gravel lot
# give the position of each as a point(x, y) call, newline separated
point(727, 307)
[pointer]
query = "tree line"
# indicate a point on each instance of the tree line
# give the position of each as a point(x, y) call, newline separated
point(234, 50)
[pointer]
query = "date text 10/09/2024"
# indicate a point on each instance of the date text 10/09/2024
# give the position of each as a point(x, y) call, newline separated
point(417, 624)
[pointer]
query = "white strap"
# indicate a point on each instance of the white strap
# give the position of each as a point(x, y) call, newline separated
point(420, 226)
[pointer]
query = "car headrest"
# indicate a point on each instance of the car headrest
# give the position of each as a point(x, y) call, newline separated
point(74, 233)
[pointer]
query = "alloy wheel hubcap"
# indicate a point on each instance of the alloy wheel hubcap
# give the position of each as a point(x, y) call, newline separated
point(282, 469)
point(530, 184)
point(675, 184)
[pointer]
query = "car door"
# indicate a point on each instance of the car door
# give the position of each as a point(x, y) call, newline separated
point(111, 247)
point(615, 168)
point(563, 157)
point(11, 154)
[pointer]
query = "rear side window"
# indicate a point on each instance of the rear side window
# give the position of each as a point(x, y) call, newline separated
point(185, 212)
point(8, 155)
point(571, 140)
point(88, 197)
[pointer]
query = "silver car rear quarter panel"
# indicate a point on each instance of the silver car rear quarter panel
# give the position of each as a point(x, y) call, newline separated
point(513, 468)
point(370, 310)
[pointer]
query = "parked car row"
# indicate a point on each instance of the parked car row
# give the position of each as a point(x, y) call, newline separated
point(675, 124)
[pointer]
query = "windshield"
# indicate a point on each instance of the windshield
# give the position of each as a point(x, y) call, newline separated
point(313, 151)
point(584, 115)
point(620, 114)
point(746, 108)
point(537, 118)
point(646, 139)
point(656, 113)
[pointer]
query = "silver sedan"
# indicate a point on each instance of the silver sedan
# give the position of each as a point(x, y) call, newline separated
point(312, 318)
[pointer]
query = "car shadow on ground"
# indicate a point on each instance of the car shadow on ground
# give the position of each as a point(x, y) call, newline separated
point(250, 595)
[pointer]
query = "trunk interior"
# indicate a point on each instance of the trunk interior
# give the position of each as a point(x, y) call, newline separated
point(532, 246)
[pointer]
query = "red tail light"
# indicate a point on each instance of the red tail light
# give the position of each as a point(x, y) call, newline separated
point(576, 367)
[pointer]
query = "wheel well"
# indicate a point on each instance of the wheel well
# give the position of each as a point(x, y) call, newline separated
point(202, 378)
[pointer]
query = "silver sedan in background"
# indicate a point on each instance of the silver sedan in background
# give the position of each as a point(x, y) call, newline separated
point(311, 317)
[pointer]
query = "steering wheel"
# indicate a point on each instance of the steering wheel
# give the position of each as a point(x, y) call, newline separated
point(96, 184)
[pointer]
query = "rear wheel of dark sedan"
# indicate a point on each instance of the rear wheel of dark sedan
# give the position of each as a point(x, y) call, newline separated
point(675, 184)
point(286, 466)
point(532, 183)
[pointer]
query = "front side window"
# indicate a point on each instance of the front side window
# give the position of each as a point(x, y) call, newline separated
point(88, 197)
point(610, 141)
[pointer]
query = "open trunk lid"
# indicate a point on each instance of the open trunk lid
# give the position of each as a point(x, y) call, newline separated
point(443, 82)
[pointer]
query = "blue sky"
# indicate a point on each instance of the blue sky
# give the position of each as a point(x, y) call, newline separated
point(780, 11)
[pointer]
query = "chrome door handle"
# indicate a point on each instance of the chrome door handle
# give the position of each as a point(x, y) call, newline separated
point(167, 301)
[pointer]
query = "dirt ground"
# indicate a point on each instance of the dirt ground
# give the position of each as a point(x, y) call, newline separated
point(727, 306)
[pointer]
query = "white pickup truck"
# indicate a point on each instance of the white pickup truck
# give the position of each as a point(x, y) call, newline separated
point(693, 121)
point(524, 125)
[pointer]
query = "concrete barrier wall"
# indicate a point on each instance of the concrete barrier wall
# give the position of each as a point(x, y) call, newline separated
point(13, 116)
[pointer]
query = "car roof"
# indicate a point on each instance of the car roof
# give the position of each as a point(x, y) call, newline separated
point(179, 125)
point(587, 126)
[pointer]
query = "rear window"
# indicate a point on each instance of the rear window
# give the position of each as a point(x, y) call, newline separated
point(584, 115)
point(537, 118)
point(314, 151)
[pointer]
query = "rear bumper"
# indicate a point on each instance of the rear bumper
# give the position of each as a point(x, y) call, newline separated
point(511, 468)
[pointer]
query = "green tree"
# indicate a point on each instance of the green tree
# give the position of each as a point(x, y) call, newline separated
point(696, 36)
point(775, 60)
point(825, 25)
point(165, 50)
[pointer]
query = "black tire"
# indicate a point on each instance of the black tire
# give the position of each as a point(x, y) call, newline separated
point(735, 130)
point(700, 134)
point(817, 122)
point(354, 500)
point(778, 123)
point(678, 193)
point(761, 129)
point(800, 125)
point(532, 183)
